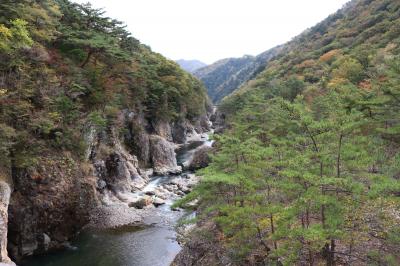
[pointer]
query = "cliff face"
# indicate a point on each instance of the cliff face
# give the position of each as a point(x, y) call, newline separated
point(52, 202)
point(5, 192)
point(49, 204)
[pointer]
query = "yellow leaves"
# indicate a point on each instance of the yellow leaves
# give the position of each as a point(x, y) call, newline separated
point(329, 56)
point(307, 64)
point(336, 82)
point(14, 37)
point(55, 116)
point(5, 35)
point(3, 92)
point(43, 19)
point(4, 32)
point(264, 222)
point(311, 92)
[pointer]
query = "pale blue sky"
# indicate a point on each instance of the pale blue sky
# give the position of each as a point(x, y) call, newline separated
point(209, 30)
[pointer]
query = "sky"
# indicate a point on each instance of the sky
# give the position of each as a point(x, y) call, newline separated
point(209, 30)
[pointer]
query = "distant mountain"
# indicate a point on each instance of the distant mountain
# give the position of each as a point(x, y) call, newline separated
point(226, 75)
point(190, 65)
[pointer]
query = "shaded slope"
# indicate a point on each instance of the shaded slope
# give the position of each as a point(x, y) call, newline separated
point(226, 75)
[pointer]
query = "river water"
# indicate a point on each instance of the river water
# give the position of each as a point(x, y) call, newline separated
point(154, 244)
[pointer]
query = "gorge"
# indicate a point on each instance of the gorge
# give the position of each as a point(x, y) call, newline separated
point(146, 236)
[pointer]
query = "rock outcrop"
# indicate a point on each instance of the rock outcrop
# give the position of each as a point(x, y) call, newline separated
point(49, 204)
point(137, 138)
point(163, 129)
point(218, 121)
point(5, 193)
point(180, 131)
point(52, 201)
point(200, 158)
point(121, 172)
point(163, 156)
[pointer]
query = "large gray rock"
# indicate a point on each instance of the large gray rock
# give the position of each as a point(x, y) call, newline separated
point(121, 172)
point(142, 202)
point(179, 132)
point(158, 202)
point(203, 124)
point(163, 156)
point(5, 193)
point(200, 158)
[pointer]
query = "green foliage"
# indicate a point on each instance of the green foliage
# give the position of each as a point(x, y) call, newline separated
point(65, 65)
point(12, 39)
point(307, 171)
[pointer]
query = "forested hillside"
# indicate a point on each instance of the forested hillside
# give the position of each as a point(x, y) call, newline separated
point(85, 111)
point(307, 171)
point(64, 65)
point(226, 75)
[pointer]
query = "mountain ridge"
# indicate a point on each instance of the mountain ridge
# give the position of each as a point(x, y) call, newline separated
point(190, 65)
point(226, 75)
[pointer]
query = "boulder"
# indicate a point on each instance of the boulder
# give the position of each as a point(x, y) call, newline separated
point(121, 173)
point(185, 189)
point(158, 202)
point(200, 158)
point(150, 193)
point(142, 202)
point(44, 242)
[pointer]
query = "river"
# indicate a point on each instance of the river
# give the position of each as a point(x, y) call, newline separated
point(153, 244)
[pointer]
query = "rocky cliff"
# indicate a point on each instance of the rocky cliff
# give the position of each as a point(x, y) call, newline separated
point(5, 192)
point(52, 202)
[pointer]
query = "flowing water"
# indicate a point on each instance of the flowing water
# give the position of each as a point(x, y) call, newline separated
point(151, 245)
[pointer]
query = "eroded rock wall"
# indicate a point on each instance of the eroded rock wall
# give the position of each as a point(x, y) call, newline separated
point(53, 200)
point(49, 204)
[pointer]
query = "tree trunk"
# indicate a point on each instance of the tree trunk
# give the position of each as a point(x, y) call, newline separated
point(338, 156)
point(89, 55)
point(330, 260)
point(271, 218)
